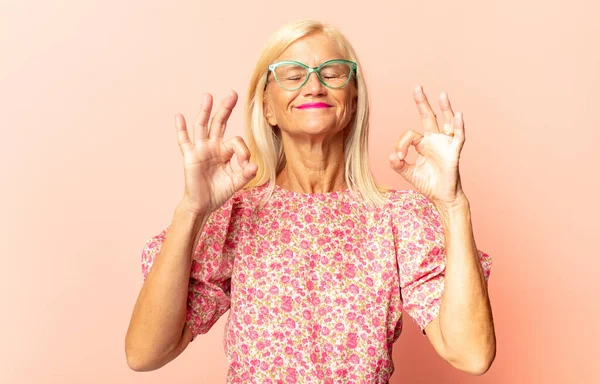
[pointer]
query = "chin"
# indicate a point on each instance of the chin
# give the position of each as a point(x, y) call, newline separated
point(318, 127)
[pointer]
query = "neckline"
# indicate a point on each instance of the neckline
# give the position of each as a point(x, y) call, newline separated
point(312, 194)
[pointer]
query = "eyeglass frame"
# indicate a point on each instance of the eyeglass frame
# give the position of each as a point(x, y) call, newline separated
point(353, 66)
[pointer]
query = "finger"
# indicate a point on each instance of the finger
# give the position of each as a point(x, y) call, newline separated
point(428, 118)
point(448, 113)
point(404, 168)
point(459, 129)
point(237, 145)
point(243, 176)
point(182, 135)
point(219, 121)
point(407, 139)
point(248, 170)
point(201, 125)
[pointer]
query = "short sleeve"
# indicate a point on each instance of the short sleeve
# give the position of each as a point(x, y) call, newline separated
point(210, 276)
point(420, 246)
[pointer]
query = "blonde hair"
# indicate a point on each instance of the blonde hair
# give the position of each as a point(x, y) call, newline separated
point(265, 143)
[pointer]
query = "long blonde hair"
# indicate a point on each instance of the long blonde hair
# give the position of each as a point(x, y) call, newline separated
point(265, 143)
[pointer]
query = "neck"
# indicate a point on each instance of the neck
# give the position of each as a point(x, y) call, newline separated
point(313, 167)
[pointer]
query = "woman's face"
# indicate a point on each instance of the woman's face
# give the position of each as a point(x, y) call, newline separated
point(281, 106)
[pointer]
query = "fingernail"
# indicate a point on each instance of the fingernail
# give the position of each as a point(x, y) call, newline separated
point(400, 155)
point(419, 88)
point(443, 95)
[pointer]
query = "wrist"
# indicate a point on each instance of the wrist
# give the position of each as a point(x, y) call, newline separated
point(452, 209)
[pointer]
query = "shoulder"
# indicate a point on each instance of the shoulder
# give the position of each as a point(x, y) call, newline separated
point(408, 199)
point(411, 205)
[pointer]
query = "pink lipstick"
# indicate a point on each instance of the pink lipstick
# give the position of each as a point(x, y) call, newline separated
point(313, 105)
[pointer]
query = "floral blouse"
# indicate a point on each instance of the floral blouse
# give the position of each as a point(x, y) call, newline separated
point(316, 282)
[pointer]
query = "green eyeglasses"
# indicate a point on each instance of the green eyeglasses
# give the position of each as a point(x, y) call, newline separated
point(292, 75)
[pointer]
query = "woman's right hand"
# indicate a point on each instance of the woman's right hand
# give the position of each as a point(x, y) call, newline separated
point(209, 177)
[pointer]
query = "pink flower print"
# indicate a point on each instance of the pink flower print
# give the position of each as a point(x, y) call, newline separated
point(325, 331)
point(350, 271)
point(348, 247)
point(217, 247)
point(349, 223)
point(354, 289)
point(304, 244)
point(314, 358)
point(376, 322)
point(285, 236)
point(260, 345)
point(278, 361)
point(346, 208)
point(339, 327)
point(247, 319)
point(253, 334)
point(324, 260)
point(310, 285)
point(338, 257)
point(307, 314)
point(341, 373)
point(308, 218)
point(288, 253)
point(264, 366)
point(274, 225)
point(291, 376)
point(371, 351)
point(322, 241)
point(314, 231)
point(286, 304)
point(354, 359)
point(245, 349)
point(290, 323)
point(289, 350)
point(352, 340)
point(369, 281)
point(274, 290)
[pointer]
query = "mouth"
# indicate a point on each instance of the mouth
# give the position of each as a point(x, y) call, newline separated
point(313, 105)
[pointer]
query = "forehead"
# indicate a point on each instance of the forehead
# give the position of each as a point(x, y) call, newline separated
point(312, 50)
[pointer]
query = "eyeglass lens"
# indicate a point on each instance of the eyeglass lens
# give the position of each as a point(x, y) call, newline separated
point(292, 76)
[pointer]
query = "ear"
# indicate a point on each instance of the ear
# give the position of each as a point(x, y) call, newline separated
point(268, 112)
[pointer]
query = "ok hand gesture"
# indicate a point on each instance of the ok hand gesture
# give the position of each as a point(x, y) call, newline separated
point(435, 172)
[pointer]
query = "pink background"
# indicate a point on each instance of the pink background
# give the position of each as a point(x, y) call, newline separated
point(90, 166)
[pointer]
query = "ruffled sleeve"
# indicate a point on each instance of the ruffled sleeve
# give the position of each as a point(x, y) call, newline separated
point(210, 276)
point(421, 255)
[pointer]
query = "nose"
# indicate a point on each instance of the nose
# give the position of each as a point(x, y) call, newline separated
point(313, 86)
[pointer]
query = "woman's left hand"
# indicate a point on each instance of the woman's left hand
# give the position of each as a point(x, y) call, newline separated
point(435, 172)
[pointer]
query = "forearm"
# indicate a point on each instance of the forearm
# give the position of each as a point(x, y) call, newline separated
point(160, 310)
point(465, 318)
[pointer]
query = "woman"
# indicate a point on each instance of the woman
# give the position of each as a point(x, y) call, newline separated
point(314, 260)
